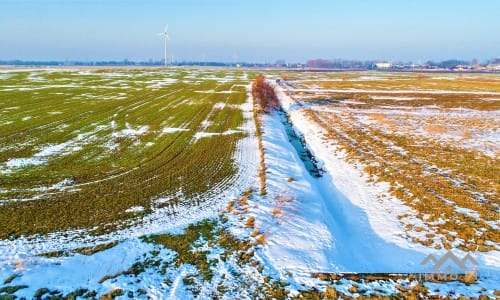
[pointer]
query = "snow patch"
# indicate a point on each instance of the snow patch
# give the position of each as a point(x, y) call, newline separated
point(131, 132)
point(173, 129)
point(135, 209)
point(15, 163)
point(202, 134)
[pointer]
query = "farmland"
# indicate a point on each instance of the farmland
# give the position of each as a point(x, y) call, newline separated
point(182, 183)
point(99, 149)
point(432, 137)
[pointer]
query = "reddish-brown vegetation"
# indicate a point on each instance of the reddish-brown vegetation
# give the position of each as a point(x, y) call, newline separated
point(264, 95)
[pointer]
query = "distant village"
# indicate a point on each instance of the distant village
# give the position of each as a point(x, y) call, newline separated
point(460, 67)
point(453, 65)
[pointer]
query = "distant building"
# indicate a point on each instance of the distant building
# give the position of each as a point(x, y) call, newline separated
point(460, 68)
point(478, 68)
point(383, 65)
point(493, 67)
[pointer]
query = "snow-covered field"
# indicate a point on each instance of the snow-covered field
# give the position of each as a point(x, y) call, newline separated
point(340, 223)
point(356, 230)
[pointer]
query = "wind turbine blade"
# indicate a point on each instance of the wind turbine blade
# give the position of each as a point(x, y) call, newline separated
point(166, 28)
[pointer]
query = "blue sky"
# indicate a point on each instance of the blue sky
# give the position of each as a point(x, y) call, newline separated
point(250, 30)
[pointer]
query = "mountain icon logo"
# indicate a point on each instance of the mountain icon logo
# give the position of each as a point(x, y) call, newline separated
point(448, 260)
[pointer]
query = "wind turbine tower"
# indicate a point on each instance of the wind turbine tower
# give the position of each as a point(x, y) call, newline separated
point(165, 38)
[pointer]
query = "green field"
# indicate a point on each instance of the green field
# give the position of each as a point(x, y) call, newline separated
point(97, 149)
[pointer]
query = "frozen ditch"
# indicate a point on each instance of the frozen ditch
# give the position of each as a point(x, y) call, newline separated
point(355, 231)
point(299, 144)
point(321, 231)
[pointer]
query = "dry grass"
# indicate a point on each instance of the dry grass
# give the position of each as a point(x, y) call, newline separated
point(112, 294)
point(420, 151)
point(381, 119)
point(243, 201)
point(330, 293)
point(435, 129)
point(466, 134)
point(250, 223)
point(230, 207)
point(371, 147)
point(421, 277)
point(262, 163)
point(280, 201)
point(277, 211)
point(261, 239)
point(473, 90)
point(408, 81)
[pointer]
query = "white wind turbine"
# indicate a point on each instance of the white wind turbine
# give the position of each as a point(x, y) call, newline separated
point(165, 38)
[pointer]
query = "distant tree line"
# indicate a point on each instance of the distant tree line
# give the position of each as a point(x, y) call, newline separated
point(313, 63)
point(127, 62)
point(448, 64)
point(340, 64)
